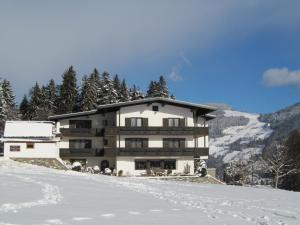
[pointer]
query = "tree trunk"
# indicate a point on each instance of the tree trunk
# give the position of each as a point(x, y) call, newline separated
point(276, 180)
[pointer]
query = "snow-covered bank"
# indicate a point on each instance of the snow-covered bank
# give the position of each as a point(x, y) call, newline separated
point(34, 195)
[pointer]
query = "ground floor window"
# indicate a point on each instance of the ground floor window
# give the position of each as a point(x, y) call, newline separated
point(14, 148)
point(167, 164)
point(170, 164)
point(140, 164)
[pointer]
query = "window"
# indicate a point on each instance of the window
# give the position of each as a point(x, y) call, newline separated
point(105, 123)
point(30, 145)
point(170, 164)
point(136, 122)
point(140, 164)
point(136, 142)
point(174, 143)
point(14, 148)
point(80, 124)
point(105, 141)
point(79, 144)
point(155, 164)
point(155, 108)
point(173, 122)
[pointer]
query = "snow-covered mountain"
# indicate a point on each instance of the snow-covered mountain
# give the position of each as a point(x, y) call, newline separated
point(236, 135)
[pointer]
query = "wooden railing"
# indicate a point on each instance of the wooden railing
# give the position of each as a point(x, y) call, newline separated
point(195, 131)
point(112, 152)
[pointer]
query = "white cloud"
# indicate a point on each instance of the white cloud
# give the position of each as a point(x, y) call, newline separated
point(174, 75)
point(185, 59)
point(281, 77)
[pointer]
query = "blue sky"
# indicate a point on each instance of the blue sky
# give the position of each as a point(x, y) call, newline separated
point(242, 53)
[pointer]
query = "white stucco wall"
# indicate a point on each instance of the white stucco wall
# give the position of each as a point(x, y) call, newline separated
point(155, 118)
point(40, 150)
point(127, 164)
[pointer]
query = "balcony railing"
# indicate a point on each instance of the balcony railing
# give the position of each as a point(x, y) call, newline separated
point(86, 152)
point(195, 131)
point(81, 132)
point(112, 152)
point(195, 152)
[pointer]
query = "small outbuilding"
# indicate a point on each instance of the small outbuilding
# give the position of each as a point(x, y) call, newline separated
point(30, 139)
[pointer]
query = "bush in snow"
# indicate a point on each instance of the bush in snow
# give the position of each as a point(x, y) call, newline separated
point(96, 169)
point(201, 168)
point(76, 166)
point(89, 170)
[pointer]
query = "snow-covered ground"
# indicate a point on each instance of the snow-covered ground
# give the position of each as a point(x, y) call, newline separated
point(254, 130)
point(34, 195)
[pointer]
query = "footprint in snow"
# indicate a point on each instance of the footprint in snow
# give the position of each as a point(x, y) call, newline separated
point(81, 218)
point(54, 221)
point(108, 215)
point(134, 213)
point(155, 210)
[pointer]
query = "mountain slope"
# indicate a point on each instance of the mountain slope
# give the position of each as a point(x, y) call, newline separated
point(236, 135)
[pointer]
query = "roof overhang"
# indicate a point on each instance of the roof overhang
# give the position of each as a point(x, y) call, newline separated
point(199, 109)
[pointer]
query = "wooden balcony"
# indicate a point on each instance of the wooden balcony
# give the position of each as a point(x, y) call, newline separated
point(86, 152)
point(195, 131)
point(113, 152)
point(195, 152)
point(81, 132)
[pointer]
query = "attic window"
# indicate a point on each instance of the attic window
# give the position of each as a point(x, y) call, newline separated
point(155, 108)
point(30, 145)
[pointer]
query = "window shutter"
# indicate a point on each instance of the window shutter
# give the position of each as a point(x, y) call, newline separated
point(127, 143)
point(182, 143)
point(165, 122)
point(127, 122)
point(182, 122)
point(145, 122)
point(145, 143)
point(165, 143)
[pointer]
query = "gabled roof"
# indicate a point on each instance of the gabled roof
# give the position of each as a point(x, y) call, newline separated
point(199, 108)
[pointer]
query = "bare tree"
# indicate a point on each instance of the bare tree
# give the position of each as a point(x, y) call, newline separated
point(279, 164)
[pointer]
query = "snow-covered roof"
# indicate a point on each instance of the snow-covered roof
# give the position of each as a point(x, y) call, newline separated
point(201, 107)
point(29, 129)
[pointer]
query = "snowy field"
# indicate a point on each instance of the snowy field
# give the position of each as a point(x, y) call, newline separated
point(35, 195)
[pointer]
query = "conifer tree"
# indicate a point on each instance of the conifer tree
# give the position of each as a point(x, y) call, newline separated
point(109, 94)
point(164, 90)
point(68, 92)
point(9, 98)
point(135, 93)
point(24, 108)
point(35, 103)
point(88, 94)
point(51, 98)
point(124, 92)
point(117, 87)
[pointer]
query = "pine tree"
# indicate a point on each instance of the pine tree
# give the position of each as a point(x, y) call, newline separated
point(34, 109)
point(108, 93)
point(24, 108)
point(154, 90)
point(164, 90)
point(88, 94)
point(124, 92)
point(117, 87)
point(68, 92)
point(51, 98)
point(9, 98)
point(135, 94)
